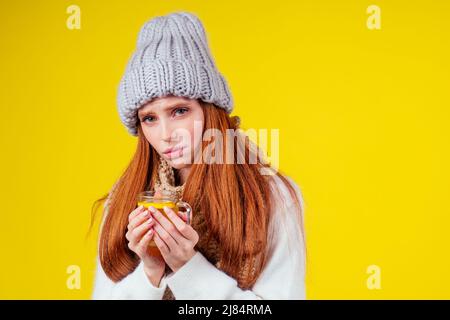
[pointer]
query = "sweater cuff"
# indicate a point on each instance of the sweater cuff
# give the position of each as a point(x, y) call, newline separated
point(196, 280)
point(137, 286)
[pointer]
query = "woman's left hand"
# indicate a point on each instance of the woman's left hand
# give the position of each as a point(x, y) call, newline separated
point(175, 241)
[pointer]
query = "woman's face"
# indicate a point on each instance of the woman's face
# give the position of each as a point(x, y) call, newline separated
point(169, 122)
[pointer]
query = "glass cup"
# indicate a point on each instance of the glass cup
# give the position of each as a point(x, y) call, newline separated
point(159, 201)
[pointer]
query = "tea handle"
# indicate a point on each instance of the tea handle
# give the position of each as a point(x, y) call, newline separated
point(188, 210)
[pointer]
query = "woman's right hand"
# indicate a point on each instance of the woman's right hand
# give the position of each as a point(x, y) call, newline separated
point(139, 234)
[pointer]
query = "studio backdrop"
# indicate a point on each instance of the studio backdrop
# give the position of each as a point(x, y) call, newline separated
point(353, 95)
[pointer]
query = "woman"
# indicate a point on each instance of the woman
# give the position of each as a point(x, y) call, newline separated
point(246, 239)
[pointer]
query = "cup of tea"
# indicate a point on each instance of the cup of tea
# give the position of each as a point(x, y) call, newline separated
point(160, 200)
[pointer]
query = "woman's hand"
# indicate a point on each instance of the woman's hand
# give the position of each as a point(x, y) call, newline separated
point(139, 234)
point(176, 240)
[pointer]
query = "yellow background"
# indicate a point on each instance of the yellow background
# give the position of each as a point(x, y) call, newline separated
point(363, 118)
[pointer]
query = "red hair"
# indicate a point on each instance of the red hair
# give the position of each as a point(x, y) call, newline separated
point(235, 199)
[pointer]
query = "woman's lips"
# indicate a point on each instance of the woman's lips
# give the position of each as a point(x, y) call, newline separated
point(175, 153)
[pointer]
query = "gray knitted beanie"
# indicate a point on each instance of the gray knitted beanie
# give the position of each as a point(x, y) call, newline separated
point(172, 57)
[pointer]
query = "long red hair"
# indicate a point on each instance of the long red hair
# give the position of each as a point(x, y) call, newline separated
point(235, 199)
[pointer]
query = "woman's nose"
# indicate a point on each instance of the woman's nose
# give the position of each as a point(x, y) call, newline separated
point(167, 134)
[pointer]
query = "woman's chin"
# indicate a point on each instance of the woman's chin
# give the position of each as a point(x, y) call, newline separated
point(179, 163)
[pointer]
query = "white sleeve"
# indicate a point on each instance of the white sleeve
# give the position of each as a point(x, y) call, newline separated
point(282, 277)
point(135, 286)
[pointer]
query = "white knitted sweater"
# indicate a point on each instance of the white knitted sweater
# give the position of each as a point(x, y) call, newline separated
point(282, 278)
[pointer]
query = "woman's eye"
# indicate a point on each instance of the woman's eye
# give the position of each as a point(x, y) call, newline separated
point(145, 118)
point(181, 110)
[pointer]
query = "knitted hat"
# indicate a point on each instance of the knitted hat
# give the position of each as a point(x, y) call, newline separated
point(172, 57)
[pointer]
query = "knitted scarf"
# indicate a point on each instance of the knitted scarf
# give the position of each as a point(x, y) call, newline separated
point(210, 249)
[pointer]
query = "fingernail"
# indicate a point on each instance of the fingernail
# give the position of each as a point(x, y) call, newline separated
point(149, 221)
point(149, 233)
point(152, 209)
point(145, 213)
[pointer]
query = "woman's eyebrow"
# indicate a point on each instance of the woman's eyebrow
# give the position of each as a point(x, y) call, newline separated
point(169, 107)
